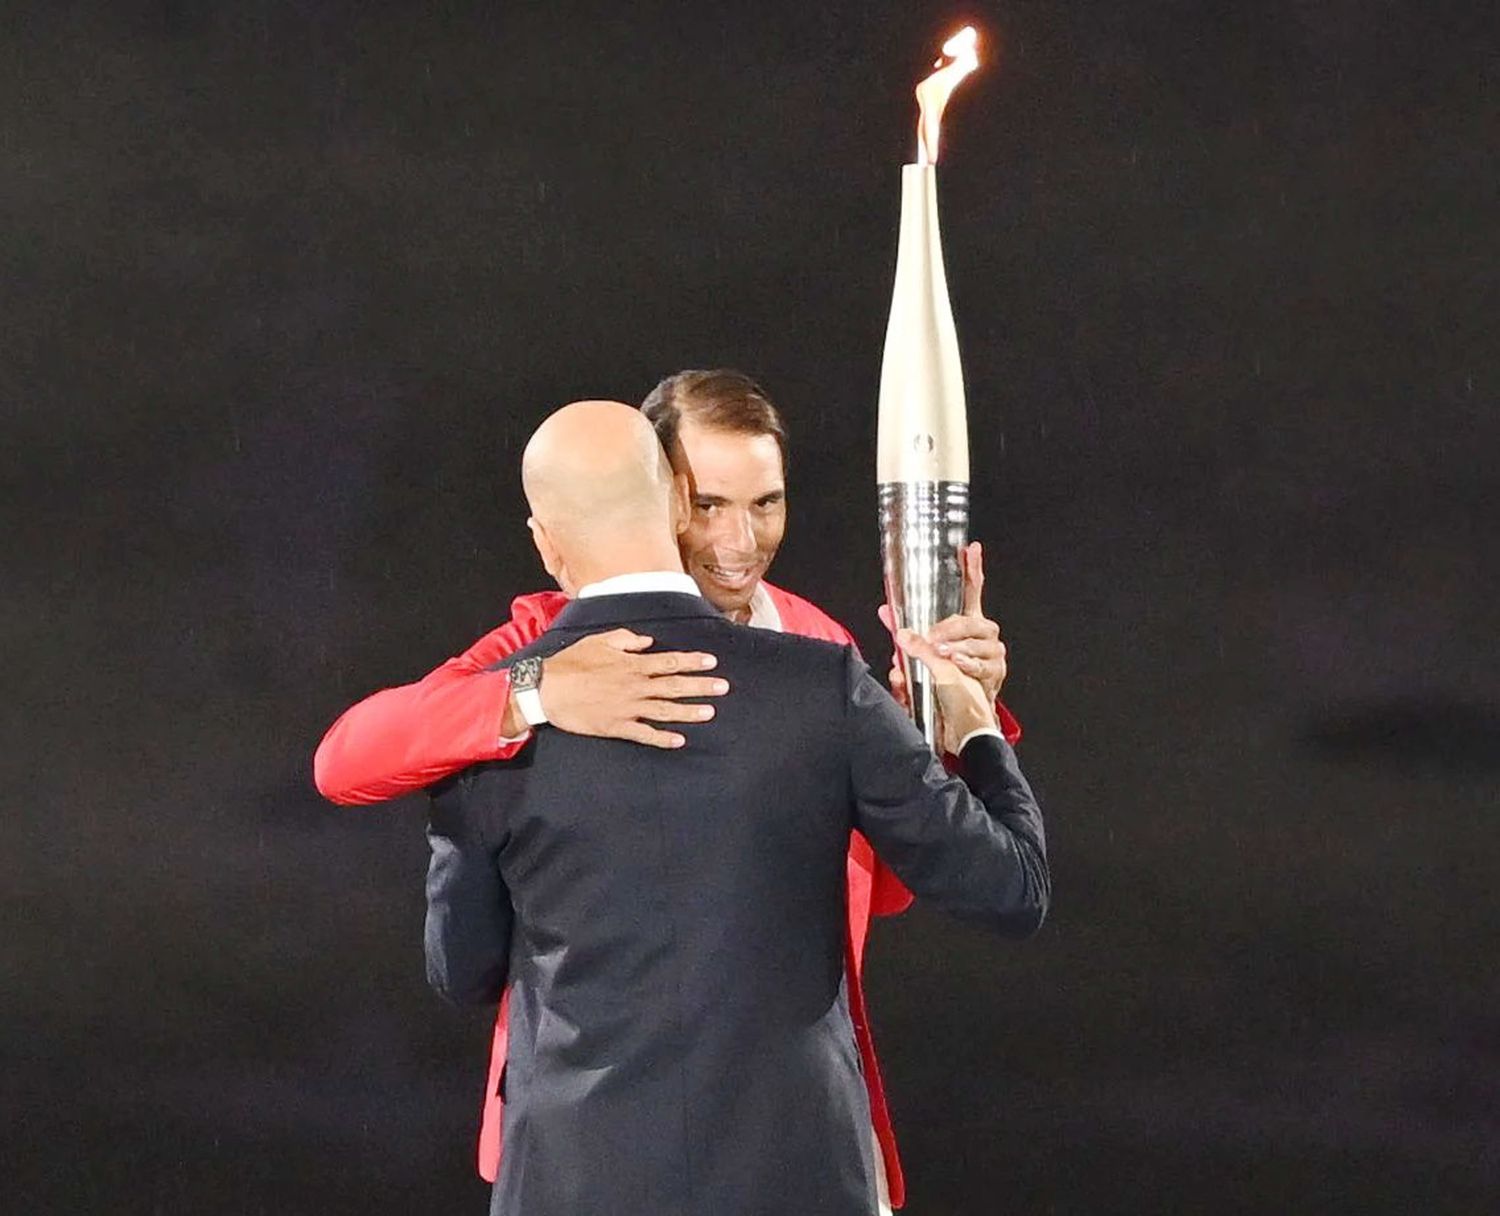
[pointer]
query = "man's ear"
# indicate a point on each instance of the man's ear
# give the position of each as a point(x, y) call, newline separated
point(551, 559)
point(682, 503)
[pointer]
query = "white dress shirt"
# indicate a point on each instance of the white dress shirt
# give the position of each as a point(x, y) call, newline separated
point(763, 613)
point(641, 580)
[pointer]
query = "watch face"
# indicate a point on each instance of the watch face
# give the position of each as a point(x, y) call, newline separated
point(525, 673)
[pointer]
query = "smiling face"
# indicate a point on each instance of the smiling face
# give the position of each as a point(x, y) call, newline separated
point(738, 489)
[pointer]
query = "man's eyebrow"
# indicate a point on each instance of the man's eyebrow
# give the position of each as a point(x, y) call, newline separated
point(772, 496)
point(713, 500)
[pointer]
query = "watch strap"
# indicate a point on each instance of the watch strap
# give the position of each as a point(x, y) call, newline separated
point(529, 702)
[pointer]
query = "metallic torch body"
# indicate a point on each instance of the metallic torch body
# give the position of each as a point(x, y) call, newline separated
point(922, 460)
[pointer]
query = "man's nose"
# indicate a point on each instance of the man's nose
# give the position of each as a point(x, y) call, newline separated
point(736, 532)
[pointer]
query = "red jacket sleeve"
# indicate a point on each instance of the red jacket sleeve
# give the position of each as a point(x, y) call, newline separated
point(399, 740)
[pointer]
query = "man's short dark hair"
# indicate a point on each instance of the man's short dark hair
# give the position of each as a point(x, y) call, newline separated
point(720, 399)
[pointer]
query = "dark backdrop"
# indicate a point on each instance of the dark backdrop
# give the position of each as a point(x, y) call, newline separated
point(286, 286)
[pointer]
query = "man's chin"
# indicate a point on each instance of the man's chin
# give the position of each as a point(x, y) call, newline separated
point(726, 599)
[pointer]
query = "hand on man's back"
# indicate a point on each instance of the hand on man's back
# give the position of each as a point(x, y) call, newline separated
point(603, 685)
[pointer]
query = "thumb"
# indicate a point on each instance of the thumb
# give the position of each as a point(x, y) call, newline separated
point(887, 618)
point(971, 562)
point(624, 639)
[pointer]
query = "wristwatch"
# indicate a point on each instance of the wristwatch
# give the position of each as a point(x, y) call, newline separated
point(525, 687)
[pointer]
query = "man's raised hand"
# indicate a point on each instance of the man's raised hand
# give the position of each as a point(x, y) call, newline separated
point(964, 705)
point(970, 638)
point(602, 685)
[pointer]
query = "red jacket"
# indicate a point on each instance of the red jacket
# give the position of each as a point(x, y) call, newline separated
point(400, 740)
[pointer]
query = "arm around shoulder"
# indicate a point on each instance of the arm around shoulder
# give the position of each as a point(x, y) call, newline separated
point(400, 740)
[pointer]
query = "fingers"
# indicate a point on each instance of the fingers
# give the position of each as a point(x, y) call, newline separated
point(958, 628)
point(639, 732)
point(963, 628)
point(624, 639)
point(964, 703)
point(674, 711)
point(921, 649)
point(984, 650)
point(604, 687)
point(971, 562)
point(678, 687)
point(673, 661)
point(897, 685)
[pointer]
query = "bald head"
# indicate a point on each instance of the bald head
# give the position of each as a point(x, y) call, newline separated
point(601, 491)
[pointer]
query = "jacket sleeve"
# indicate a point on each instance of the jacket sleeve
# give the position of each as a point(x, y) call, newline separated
point(402, 739)
point(974, 846)
point(889, 895)
point(469, 913)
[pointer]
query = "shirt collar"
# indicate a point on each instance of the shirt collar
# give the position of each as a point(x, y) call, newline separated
point(763, 611)
point(641, 580)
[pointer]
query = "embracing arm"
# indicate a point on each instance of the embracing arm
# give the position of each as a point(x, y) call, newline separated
point(402, 739)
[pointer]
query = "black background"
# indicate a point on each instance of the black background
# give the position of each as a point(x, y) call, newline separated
point(286, 286)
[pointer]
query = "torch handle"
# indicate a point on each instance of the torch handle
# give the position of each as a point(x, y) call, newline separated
point(923, 525)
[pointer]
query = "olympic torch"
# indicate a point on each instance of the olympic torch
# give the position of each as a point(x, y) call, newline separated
point(922, 449)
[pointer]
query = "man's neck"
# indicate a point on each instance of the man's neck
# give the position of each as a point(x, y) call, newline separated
point(638, 562)
point(761, 612)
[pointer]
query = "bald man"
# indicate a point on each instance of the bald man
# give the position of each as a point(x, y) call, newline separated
point(671, 922)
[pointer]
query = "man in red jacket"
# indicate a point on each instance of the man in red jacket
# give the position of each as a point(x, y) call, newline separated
point(720, 429)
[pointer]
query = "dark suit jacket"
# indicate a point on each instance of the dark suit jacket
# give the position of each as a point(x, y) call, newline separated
point(671, 924)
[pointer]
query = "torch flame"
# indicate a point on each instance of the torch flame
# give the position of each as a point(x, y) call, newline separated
point(962, 55)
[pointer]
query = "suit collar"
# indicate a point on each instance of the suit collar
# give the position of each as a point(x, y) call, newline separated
point(604, 610)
